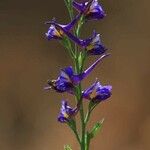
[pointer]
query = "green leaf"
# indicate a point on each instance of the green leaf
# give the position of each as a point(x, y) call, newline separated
point(97, 127)
point(72, 124)
point(67, 147)
point(80, 59)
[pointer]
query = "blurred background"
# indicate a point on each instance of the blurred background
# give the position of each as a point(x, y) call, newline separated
point(28, 113)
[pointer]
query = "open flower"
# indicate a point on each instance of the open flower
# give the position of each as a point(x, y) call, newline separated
point(68, 79)
point(97, 93)
point(91, 9)
point(57, 33)
point(66, 112)
point(64, 82)
point(95, 47)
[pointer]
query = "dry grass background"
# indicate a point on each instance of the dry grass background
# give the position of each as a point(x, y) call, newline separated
point(27, 60)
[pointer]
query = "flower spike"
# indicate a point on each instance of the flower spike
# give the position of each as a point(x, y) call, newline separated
point(66, 112)
point(70, 78)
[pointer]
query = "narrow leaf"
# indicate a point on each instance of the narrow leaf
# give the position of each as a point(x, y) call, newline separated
point(79, 26)
point(80, 59)
point(97, 127)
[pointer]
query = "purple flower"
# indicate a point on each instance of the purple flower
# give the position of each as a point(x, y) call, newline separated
point(57, 33)
point(92, 45)
point(91, 9)
point(66, 112)
point(64, 82)
point(54, 33)
point(68, 79)
point(97, 93)
point(95, 47)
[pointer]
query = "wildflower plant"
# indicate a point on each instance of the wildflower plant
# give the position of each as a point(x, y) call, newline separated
point(70, 78)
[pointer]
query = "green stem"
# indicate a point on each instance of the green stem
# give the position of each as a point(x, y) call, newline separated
point(70, 8)
point(83, 126)
point(90, 109)
point(87, 117)
point(79, 98)
point(78, 70)
point(87, 141)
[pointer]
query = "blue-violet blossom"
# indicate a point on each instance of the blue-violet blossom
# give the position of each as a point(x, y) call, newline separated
point(94, 11)
point(97, 92)
point(66, 112)
point(68, 79)
point(57, 33)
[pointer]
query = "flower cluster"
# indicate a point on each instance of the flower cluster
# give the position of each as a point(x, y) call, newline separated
point(70, 78)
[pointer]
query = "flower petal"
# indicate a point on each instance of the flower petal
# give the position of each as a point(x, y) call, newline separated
point(103, 93)
point(66, 112)
point(86, 94)
point(95, 47)
point(54, 33)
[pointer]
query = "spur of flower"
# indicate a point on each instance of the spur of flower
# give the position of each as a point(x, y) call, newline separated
point(67, 79)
